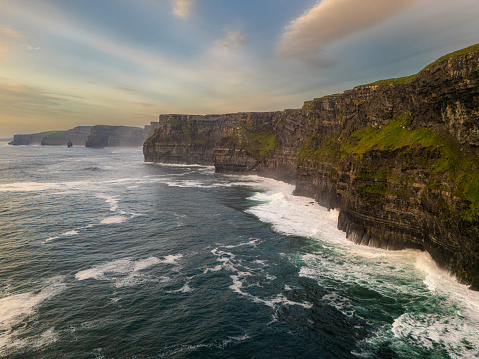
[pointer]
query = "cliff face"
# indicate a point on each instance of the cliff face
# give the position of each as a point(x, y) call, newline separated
point(397, 157)
point(187, 139)
point(28, 139)
point(115, 136)
point(77, 136)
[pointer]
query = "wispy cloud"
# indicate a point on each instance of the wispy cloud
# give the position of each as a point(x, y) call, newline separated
point(124, 89)
point(232, 39)
point(331, 20)
point(182, 8)
point(8, 38)
point(143, 104)
point(26, 101)
point(6, 31)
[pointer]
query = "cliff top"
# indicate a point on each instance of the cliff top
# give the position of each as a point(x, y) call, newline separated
point(408, 79)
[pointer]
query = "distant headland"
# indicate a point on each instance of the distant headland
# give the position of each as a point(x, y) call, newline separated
point(89, 136)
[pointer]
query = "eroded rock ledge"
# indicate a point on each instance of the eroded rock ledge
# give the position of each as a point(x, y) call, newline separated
point(398, 157)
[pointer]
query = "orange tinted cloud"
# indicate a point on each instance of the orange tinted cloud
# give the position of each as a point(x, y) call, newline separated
point(331, 20)
point(182, 8)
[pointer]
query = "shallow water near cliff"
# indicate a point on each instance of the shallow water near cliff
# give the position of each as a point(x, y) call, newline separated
point(102, 255)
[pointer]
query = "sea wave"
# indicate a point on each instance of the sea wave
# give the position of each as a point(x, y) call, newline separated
point(365, 272)
point(16, 308)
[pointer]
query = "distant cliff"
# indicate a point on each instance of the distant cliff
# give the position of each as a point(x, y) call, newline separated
point(398, 157)
point(77, 136)
point(115, 136)
point(89, 136)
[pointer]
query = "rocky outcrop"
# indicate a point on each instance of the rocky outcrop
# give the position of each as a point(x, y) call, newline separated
point(398, 157)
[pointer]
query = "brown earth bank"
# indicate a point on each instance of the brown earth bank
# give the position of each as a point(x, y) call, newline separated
point(398, 158)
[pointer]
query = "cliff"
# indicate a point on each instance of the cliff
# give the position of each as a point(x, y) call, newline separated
point(30, 139)
point(89, 136)
point(115, 136)
point(398, 157)
point(77, 136)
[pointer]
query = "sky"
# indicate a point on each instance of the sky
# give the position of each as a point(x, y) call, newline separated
point(65, 63)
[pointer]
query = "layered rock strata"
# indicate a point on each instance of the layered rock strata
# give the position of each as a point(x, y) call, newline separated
point(397, 157)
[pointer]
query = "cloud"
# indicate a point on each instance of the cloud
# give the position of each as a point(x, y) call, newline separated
point(8, 40)
point(232, 39)
point(6, 31)
point(331, 20)
point(182, 8)
point(124, 89)
point(143, 104)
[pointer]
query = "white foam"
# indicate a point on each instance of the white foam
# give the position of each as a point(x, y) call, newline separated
point(293, 215)
point(70, 233)
point(111, 200)
point(179, 165)
point(172, 259)
point(195, 184)
point(62, 187)
point(185, 289)
point(145, 263)
point(114, 220)
point(26, 187)
point(390, 273)
point(278, 300)
point(252, 242)
point(459, 336)
point(239, 278)
point(15, 308)
point(123, 272)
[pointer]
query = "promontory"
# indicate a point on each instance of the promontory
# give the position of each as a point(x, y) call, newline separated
point(398, 158)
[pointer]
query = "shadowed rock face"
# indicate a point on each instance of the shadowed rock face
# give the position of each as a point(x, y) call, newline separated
point(397, 157)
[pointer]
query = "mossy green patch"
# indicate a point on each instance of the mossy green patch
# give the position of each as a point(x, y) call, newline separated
point(374, 193)
point(396, 134)
point(321, 149)
point(438, 154)
point(259, 144)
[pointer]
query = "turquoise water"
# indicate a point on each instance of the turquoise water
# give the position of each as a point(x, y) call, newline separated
point(104, 256)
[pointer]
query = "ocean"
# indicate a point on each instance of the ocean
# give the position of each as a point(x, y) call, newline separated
point(105, 256)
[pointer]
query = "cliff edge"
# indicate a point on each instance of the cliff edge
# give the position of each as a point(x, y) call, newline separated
point(398, 158)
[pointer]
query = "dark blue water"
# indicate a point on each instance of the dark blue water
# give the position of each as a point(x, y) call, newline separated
point(104, 256)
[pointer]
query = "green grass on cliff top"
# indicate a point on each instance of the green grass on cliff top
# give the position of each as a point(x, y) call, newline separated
point(408, 79)
point(461, 167)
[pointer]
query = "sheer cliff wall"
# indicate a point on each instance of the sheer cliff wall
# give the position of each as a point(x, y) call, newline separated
point(397, 157)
